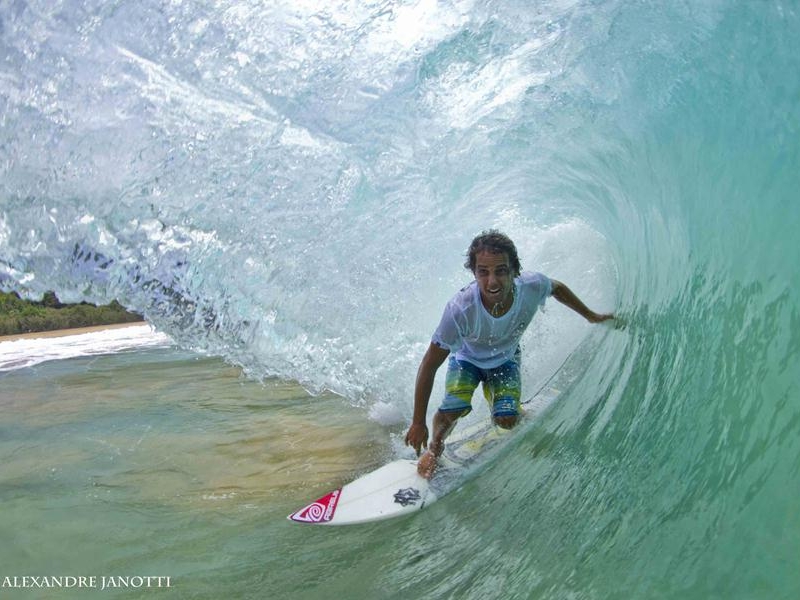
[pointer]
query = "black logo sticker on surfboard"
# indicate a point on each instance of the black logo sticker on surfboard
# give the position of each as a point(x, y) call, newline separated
point(407, 496)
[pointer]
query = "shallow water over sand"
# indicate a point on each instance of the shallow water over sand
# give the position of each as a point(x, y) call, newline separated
point(163, 463)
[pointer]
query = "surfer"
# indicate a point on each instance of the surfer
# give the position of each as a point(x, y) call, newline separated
point(480, 331)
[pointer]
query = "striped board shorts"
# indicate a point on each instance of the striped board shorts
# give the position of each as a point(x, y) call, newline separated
point(501, 387)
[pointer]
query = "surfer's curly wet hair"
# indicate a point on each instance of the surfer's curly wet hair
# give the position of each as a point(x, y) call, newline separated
point(495, 242)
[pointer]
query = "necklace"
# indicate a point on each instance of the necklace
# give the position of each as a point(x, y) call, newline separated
point(499, 308)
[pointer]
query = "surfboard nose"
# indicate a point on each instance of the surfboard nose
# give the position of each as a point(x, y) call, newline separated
point(319, 511)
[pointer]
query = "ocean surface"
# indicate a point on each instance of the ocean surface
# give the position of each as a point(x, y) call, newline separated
point(286, 192)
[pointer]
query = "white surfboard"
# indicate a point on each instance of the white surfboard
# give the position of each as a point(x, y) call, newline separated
point(391, 491)
point(396, 489)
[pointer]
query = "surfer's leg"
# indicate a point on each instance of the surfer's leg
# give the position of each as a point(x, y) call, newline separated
point(460, 382)
point(443, 424)
point(502, 390)
point(462, 379)
point(507, 422)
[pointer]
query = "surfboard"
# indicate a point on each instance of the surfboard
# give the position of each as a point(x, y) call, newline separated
point(396, 489)
point(393, 490)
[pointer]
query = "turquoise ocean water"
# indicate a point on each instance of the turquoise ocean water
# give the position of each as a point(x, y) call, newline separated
point(287, 190)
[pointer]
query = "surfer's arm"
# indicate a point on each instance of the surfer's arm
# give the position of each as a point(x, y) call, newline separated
point(417, 435)
point(568, 298)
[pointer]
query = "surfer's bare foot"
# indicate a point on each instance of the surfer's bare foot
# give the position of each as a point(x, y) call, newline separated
point(427, 464)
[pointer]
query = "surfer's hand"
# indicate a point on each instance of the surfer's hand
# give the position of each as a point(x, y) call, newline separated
point(417, 436)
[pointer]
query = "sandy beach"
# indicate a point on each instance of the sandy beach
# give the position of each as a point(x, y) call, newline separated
point(64, 332)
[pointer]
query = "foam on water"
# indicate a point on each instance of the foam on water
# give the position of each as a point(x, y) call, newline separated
point(29, 351)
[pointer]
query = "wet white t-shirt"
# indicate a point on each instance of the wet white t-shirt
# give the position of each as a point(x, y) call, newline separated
point(473, 334)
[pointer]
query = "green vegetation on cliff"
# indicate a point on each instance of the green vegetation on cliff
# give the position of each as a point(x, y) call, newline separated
point(24, 316)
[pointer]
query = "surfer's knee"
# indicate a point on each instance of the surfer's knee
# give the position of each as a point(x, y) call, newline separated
point(506, 421)
point(506, 410)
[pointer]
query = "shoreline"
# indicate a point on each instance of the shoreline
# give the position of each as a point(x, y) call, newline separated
point(56, 333)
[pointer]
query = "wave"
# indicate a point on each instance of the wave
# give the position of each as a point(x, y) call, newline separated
point(294, 188)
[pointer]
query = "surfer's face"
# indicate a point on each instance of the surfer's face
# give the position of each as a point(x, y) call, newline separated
point(495, 280)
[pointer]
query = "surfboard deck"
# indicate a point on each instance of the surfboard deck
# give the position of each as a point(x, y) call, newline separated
point(396, 489)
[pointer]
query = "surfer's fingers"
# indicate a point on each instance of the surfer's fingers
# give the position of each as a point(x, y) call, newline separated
point(418, 447)
point(413, 443)
point(417, 438)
